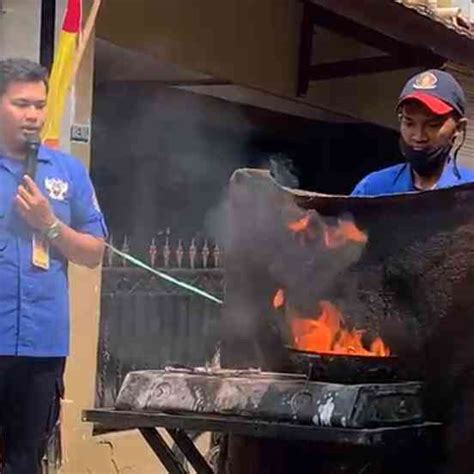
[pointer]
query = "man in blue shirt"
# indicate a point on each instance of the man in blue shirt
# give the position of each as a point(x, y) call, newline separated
point(431, 110)
point(46, 220)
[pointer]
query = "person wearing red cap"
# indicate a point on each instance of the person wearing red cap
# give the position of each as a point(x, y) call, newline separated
point(431, 110)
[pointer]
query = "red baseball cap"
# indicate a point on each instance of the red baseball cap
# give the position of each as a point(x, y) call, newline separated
point(437, 90)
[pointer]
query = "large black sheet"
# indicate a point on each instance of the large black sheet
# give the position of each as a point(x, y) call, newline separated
point(413, 283)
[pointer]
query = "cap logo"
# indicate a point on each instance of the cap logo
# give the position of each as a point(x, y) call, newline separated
point(426, 80)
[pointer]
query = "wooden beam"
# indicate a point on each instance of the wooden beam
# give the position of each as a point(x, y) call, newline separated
point(350, 29)
point(305, 50)
point(356, 67)
point(400, 55)
point(151, 85)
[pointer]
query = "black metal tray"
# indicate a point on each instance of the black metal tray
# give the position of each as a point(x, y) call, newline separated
point(352, 369)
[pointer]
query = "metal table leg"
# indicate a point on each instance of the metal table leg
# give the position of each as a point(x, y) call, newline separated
point(192, 454)
point(163, 452)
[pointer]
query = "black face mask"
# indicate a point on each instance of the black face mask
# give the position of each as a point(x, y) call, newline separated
point(426, 162)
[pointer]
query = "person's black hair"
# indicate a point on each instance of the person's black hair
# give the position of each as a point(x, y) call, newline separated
point(20, 70)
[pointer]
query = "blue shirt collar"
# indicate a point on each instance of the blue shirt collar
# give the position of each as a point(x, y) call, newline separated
point(43, 154)
point(14, 166)
point(448, 175)
point(404, 177)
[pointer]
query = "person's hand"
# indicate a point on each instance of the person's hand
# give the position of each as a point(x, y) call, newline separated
point(33, 206)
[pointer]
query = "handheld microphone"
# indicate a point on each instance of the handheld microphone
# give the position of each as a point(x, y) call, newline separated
point(32, 144)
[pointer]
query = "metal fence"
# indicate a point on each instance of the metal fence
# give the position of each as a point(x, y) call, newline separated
point(165, 252)
point(147, 323)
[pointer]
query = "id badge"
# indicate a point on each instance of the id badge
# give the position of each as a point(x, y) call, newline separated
point(40, 252)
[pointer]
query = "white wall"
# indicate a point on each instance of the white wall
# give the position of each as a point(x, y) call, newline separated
point(20, 26)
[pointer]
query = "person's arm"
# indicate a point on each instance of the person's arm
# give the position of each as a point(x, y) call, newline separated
point(78, 247)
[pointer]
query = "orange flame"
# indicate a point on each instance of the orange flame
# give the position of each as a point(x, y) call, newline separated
point(379, 348)
point(334, 236)
point(279, 299)
point(300, 225)
point(344, 232)
point(326, 334)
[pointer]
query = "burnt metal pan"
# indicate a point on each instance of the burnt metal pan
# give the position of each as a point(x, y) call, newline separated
point(351, 369)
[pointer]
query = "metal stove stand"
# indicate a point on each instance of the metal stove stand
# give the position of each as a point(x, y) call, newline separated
point(177, 425)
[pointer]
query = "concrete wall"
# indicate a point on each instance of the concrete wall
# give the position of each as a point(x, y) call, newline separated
point(247, 41)
point(20, 29)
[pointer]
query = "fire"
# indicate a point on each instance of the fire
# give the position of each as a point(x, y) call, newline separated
point(334, 236)
point(379, 348)
point(299, 225)
point(279, 299)
point(326, 334)
point(345, 231)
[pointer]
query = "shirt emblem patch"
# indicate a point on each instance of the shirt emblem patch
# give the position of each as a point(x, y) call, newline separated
point(57, 188)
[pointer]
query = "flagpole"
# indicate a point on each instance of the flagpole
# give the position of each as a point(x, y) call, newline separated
point(84, 39)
